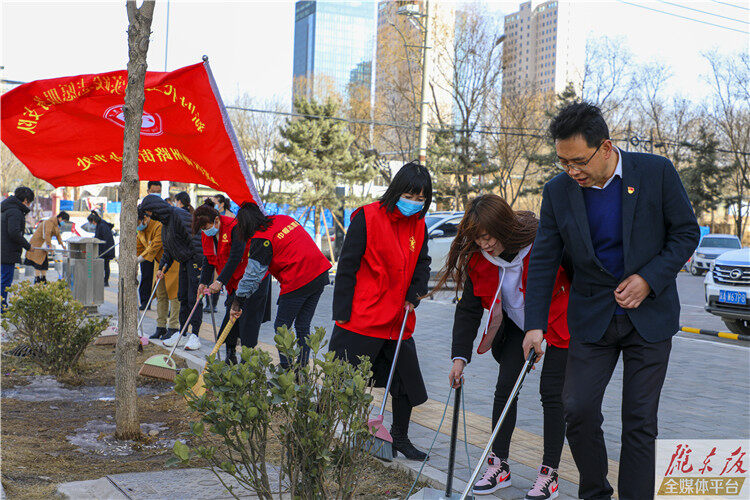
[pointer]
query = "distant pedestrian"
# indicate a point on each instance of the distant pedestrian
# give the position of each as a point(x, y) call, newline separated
point(223, 205)
point(103, 232)
point(39, 259)
point(12, 227)
point(154, 187)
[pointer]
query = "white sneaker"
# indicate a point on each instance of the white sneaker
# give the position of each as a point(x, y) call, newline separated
point(193, 343)
point(171, 341)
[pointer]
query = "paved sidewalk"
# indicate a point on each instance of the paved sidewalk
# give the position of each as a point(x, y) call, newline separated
point(706, 394)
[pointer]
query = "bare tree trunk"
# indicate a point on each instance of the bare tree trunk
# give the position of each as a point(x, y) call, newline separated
point(126, 398)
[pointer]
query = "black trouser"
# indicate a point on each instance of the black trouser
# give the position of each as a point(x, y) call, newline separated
point(509, 354)
point(550, 388)
point(106, 271)
point(298, 310)
point(590, 367)
point(147, 278)
point(407, 388)
point(187, 293)
point(248, 326)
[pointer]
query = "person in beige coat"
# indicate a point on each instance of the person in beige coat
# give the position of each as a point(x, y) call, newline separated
point(42, 238)
point(149, 248)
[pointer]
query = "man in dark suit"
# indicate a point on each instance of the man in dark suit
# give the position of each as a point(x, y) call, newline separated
point(627, 223)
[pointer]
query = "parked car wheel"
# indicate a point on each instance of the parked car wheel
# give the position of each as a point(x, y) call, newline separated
point(738, 326)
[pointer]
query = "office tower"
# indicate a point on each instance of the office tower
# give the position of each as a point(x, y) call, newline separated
point(544, 48)
point(333, 46)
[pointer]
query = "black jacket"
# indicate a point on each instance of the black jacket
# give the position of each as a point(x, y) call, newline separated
point(659, 234)
point(12, 226)
point(179, 243)
point(104, 233)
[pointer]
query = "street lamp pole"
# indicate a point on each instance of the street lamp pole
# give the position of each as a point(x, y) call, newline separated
point(426, 66)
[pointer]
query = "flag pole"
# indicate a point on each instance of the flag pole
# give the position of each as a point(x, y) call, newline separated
point(233, 138)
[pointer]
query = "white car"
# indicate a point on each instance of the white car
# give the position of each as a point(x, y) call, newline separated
point(710, 247)
point(727, 288)
point(441, 229)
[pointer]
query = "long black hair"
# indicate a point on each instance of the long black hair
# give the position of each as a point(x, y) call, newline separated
point(184, 198)
point(250, 220)
point(413, 178)
point(223, 202)
point(94, 218)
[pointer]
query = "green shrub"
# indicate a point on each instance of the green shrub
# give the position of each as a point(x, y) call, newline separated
point(316, 413)
point(52, 323)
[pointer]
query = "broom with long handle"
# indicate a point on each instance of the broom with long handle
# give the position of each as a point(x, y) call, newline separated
point(163, 367)
point(199, 388)
point(381, 443)
point(213, 325)
point(528, 365)
point(148, 304)
point(112, 339)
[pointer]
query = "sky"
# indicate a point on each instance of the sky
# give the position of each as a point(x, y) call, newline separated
point(249, 43)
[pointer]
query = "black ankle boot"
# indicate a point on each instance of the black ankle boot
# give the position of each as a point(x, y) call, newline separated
point(231, 358)
point(400, 429)
point(401, 444)
point(159, 333)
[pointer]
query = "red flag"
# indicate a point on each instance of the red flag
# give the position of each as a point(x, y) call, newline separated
point(69, 131)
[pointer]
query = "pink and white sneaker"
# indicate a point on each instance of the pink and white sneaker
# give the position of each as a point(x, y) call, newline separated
point(545, 486)
point(495, 477)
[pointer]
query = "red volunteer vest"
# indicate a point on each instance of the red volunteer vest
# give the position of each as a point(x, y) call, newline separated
point(296, 258)
point(485, 276)
point(218, 254)
point(385, 273)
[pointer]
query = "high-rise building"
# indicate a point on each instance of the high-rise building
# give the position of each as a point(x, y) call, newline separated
point(333, 46)
point(544, 49)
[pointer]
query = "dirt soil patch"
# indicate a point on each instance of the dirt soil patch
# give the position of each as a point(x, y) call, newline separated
point(45, 443)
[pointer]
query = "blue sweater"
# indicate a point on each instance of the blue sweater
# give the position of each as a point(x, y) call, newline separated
point(604, 210)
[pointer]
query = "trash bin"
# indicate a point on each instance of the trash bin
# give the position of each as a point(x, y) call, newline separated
point(84, 271)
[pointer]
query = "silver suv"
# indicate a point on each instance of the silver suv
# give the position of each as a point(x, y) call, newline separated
point(710, 247)
point(727, 288)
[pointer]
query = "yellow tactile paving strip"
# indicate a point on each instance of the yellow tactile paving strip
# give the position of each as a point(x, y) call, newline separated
point(525, 447)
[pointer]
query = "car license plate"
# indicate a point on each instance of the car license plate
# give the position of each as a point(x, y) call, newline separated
point(730, 297)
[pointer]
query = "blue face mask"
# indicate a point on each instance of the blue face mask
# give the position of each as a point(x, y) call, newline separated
point(211, 232)
point(141, 227)
point(408, 207)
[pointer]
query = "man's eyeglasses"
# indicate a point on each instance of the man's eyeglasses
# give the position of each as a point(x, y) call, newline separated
point(567, 167)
